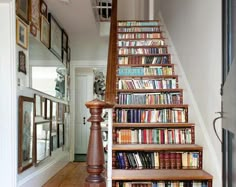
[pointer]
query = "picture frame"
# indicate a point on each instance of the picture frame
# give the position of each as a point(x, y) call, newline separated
point(33, 30)
point(43, 8)
point(55, 44)
point(44, 31)
point(64, 40)
point(60, 135)
point(35, 13)
point(26, 154)
point(22, 10)
point(21, 33)
point(22, 62)
point(38, 105)
point(42, 141)
point(48, 108)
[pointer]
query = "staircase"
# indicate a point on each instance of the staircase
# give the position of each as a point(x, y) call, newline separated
point(153, 140)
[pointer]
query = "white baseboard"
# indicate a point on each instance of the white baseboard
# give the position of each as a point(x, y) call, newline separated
point(39, 175)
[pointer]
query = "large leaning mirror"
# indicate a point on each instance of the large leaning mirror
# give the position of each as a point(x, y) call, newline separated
point(47, 72)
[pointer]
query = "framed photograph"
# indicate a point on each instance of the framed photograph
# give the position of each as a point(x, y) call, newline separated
point(42, 141)
point(43, 8)
point(22, 62)
point(22, 10)
point(61, 110)
point(48, 108)
point(33, 30)
point(60, 134)
point(21, 33)
point(35, 13)
point(38, 105)
point(26, 131)
point(54, 136)
point(54, 111)
point(44, 33)
point(55, 44)
point(64, 40)
point(68, 54)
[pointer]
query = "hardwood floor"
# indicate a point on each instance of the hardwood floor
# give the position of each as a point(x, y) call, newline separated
point(72, 175)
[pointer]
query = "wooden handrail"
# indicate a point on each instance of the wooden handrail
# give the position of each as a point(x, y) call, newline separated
point(110, 95)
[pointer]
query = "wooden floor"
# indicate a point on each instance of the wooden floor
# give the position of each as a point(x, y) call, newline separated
point(72, 175)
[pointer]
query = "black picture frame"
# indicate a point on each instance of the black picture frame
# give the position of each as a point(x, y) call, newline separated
point(55, 44)
point(22, 62)
point(64, 41)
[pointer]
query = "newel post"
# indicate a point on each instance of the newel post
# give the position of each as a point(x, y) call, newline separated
point(95, 154)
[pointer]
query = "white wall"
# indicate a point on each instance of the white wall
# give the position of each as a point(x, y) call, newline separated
point(8, 119)
point(195, 30)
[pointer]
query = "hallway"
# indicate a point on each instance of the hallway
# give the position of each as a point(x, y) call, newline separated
point(72, 175)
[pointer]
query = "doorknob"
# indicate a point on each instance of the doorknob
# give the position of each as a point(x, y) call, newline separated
point(84, 120)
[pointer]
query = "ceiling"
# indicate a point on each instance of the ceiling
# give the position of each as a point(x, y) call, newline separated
point(76, 16)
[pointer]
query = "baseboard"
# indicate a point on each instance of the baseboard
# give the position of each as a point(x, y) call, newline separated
point(39, 175)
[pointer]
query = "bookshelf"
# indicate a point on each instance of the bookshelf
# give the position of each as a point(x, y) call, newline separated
point(153, 140)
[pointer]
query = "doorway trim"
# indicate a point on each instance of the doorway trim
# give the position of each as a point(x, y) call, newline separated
point(74, 66)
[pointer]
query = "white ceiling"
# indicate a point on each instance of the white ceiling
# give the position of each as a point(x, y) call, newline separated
point(76, 16)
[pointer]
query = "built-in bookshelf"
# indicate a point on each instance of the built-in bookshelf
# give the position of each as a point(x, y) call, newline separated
point(153, 140)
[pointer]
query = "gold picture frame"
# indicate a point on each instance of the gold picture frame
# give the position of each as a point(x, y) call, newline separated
point(44, 32)
point(21, 33)
point(22, 10)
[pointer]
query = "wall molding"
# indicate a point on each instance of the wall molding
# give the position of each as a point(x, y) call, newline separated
point(187, 89)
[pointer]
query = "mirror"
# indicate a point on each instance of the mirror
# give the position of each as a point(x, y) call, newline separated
point(47, 72)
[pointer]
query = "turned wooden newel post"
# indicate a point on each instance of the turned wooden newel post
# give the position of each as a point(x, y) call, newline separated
point(95, 155)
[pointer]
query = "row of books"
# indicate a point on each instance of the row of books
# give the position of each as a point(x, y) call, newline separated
point(173, 115)
point(162, 184)
point(138, 23)
point(156, 42)
point(141, 71)
point(142, 51)
point(150, 98)
point(157, 160)
point(143, 60)
point(154, 136)
point(139, 35)
point(139, 29)
point(168, 83)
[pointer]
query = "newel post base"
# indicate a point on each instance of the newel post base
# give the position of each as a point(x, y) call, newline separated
point(95, 154)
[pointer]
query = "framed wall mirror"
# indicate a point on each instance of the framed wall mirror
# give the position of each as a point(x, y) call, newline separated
point(26, 154)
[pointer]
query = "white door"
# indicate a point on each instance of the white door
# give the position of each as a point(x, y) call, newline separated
point(83, 93)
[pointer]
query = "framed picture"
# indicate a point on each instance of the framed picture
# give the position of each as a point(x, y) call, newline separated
point(54, 136)
point(64, 40)
point(44, 33)
point(33, 30)
point(42, 141)
point(35, 13)
point(21, 33)
point(38, 105)
point(60, 134)
point(26, 131)
point(68, 54)
point(22, 10)
point(43, 8)
point(47, 108)
point(22, 62)
point(55, 44)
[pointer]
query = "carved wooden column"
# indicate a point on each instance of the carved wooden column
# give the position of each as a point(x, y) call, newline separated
point(95, 155)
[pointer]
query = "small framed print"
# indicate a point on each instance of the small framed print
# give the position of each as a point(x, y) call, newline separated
point(64, 40)
point(21, 33)
point(55, 37)
point(33, 30)
point(22, 62)
point(35, 13)
point(26, 133)
point(43, 8)
point(22, 10)
point(44, 33)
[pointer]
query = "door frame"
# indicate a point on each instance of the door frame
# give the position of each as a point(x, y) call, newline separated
point(74, 66)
